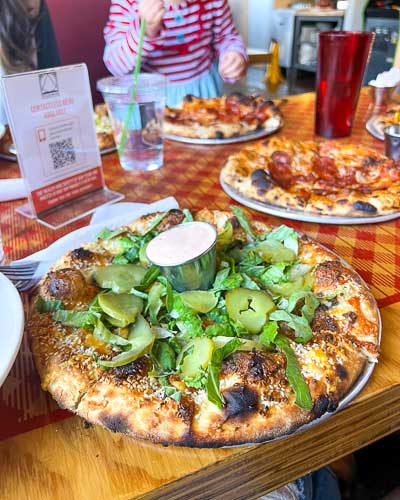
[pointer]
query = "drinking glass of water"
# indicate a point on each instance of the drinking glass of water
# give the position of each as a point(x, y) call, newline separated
point(143, 149)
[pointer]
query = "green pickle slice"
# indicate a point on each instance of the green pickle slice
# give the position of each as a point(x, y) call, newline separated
point(274, 251)
point(199, 357)
point(250, 308)
point(120, 278)
point(141, 338)
point(200, 301)
point(123, 307)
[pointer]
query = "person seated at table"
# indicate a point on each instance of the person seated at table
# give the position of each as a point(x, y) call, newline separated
point(319, 485)
point(27, 39)
point(182, 41)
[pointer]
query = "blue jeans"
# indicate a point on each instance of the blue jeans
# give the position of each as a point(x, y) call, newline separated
point(319, 485)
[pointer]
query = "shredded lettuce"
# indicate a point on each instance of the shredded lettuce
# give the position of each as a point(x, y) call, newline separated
point(165, 356)
point(226, 281)
point(275, 273)
point(77, 319)
point(150, 277)
point(187, 321)
point(219, 329)
point(44, 306)
point(299, 324)
point(285, 235)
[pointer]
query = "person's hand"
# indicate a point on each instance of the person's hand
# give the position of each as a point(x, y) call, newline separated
point(232, 66)
point(152, 12)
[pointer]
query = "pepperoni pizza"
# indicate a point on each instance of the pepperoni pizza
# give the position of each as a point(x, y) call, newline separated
point(327, 178)
point(221, 117)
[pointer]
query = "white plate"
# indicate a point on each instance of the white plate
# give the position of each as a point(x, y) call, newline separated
point(302, 216)
point(258, 134)
point(374, 128)
point(11, 325)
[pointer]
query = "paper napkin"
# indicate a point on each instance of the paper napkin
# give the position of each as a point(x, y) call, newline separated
point(12, 189)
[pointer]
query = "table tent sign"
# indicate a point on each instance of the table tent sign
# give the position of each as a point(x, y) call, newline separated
point(51, 120)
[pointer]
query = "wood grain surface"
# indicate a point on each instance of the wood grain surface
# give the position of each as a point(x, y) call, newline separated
point(67, 460)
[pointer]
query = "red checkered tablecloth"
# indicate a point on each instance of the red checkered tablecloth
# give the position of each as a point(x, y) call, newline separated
point(191, 174)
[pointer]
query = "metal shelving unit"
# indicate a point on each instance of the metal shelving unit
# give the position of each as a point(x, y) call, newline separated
point(336, 22)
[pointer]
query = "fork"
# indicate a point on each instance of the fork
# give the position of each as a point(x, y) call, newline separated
point(21, 274)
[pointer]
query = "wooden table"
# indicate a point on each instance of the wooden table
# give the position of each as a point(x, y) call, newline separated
point(48, 454)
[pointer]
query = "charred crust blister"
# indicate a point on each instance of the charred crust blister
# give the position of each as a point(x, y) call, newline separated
point(324, 404)
point(140, 367)
point(82, 254)
point(241, 401)
point(341, 372)
point(364, 206)
point(115, 423)
point(260, 179)
point(65, 284)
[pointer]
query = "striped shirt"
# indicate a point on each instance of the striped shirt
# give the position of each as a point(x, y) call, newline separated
point(193, 33)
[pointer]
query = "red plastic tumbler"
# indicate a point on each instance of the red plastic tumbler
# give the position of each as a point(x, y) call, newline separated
point(342, 59)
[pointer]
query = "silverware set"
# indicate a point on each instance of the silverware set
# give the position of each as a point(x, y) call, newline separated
point(22, 274)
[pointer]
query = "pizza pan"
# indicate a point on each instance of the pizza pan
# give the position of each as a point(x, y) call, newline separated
point(11, 325)
point(258, 134)
point(374, 129)
point(303, 216)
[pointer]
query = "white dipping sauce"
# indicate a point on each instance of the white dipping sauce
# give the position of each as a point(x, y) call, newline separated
point(181, 243)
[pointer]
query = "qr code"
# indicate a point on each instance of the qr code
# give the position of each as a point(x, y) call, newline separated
point(62, 153)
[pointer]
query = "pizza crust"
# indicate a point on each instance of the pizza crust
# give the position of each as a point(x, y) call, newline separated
point(259, 401)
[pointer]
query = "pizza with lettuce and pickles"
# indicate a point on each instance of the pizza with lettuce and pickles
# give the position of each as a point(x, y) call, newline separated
point(277, 341)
